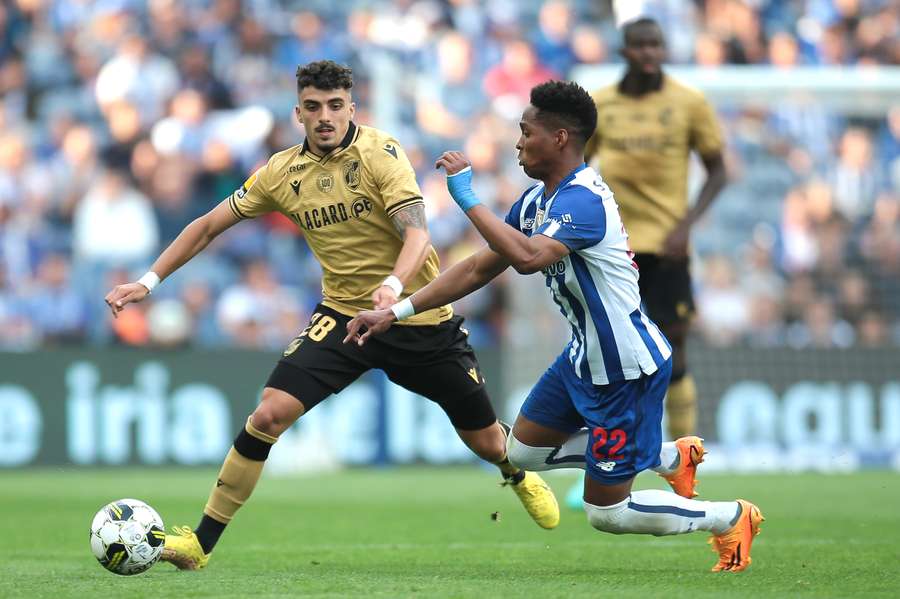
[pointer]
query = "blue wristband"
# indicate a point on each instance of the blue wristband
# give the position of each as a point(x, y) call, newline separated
point(460, 187)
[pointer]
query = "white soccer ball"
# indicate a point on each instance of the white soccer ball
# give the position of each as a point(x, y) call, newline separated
point(127, 536)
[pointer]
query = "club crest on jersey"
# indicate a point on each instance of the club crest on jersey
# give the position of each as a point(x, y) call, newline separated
point(325, 183)
point(665, 116)
point(295, 185)
point(351, 172)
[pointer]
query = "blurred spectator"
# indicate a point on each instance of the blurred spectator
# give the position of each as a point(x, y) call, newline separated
point(169, 323)
point(553, 42)
point(820, 328)
point(722, 308)
point(588, 46)
point(196, 74)
point(74, 170)
point(55, 305)
point(450, 96)
point(855, 181)
point(509, 83)
point(310, 41)
point(114, 223)
point(258, 312)
point(138, 75)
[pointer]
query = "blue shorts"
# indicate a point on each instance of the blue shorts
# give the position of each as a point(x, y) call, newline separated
point(624, 419)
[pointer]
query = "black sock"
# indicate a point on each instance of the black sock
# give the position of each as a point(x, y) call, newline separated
point(208, 532)
point(514, 478)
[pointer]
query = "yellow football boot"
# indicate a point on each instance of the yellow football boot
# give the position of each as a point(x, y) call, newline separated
point(538, 499)
point(684, 480)
point(733, 546)
point(183, 550)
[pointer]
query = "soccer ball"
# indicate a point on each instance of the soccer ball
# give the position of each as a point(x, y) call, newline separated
point(127, 536)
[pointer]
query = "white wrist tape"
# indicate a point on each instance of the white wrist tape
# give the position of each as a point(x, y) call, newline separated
point(395, 284)
point(403, 310)
point(149, 280)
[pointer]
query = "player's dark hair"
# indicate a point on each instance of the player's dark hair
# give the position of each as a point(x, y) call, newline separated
point(566, 105)
point(630, 26)
point(324, 74)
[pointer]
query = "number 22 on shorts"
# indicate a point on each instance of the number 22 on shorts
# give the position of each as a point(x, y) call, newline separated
point(608, 444)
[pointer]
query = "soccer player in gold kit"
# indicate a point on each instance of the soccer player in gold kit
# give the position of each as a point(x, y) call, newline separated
point(353, 192)
point(647, 126)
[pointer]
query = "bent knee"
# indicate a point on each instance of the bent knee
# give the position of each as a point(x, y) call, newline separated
point(491, 450)
point(526, 457)
point(607, 518)
point(276, 412)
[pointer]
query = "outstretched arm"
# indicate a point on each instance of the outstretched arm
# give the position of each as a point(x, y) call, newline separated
point(526, 254)
point(458, 281)
point(188, 244)
point(410, 223)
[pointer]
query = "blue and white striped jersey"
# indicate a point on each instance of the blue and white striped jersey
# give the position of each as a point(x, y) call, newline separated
point(596, 285)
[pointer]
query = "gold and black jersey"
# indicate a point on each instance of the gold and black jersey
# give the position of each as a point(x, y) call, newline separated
point(642, 149)
point(343, 201)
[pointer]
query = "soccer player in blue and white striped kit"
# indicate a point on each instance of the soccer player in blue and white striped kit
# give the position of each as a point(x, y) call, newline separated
point(599, 405)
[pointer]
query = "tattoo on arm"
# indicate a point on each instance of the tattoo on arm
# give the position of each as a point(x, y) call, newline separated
point(411, 217)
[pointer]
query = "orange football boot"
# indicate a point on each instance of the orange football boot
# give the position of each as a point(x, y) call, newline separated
point(683, 481)
point(733, 546)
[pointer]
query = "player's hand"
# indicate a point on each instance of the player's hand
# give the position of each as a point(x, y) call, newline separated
point(368, 323)
point(459, 179)
point(453, 162)
point(125, 294)
point(384, 297)
point(676, 244)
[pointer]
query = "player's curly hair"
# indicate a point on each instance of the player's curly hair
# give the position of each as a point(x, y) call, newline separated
point(566, 105)
point(324, 74)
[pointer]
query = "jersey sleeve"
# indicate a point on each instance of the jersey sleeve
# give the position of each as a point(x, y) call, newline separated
point(253, 199)
point(705, 136)
point(395, 177)
point(576, 218)
point(512, 217)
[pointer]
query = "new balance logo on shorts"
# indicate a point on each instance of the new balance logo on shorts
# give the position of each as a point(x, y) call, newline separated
point(606, 466)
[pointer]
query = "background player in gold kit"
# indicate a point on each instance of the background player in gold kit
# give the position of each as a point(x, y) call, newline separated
point(354, 193)
point(647, 126)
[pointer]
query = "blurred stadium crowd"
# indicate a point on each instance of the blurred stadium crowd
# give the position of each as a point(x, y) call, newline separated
point(122, 120)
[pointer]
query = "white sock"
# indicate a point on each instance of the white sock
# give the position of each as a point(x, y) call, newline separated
point(662, 513)
point(669, 458)
point(571, 454)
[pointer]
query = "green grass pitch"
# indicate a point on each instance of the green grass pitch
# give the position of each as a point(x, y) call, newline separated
point(427, 532)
